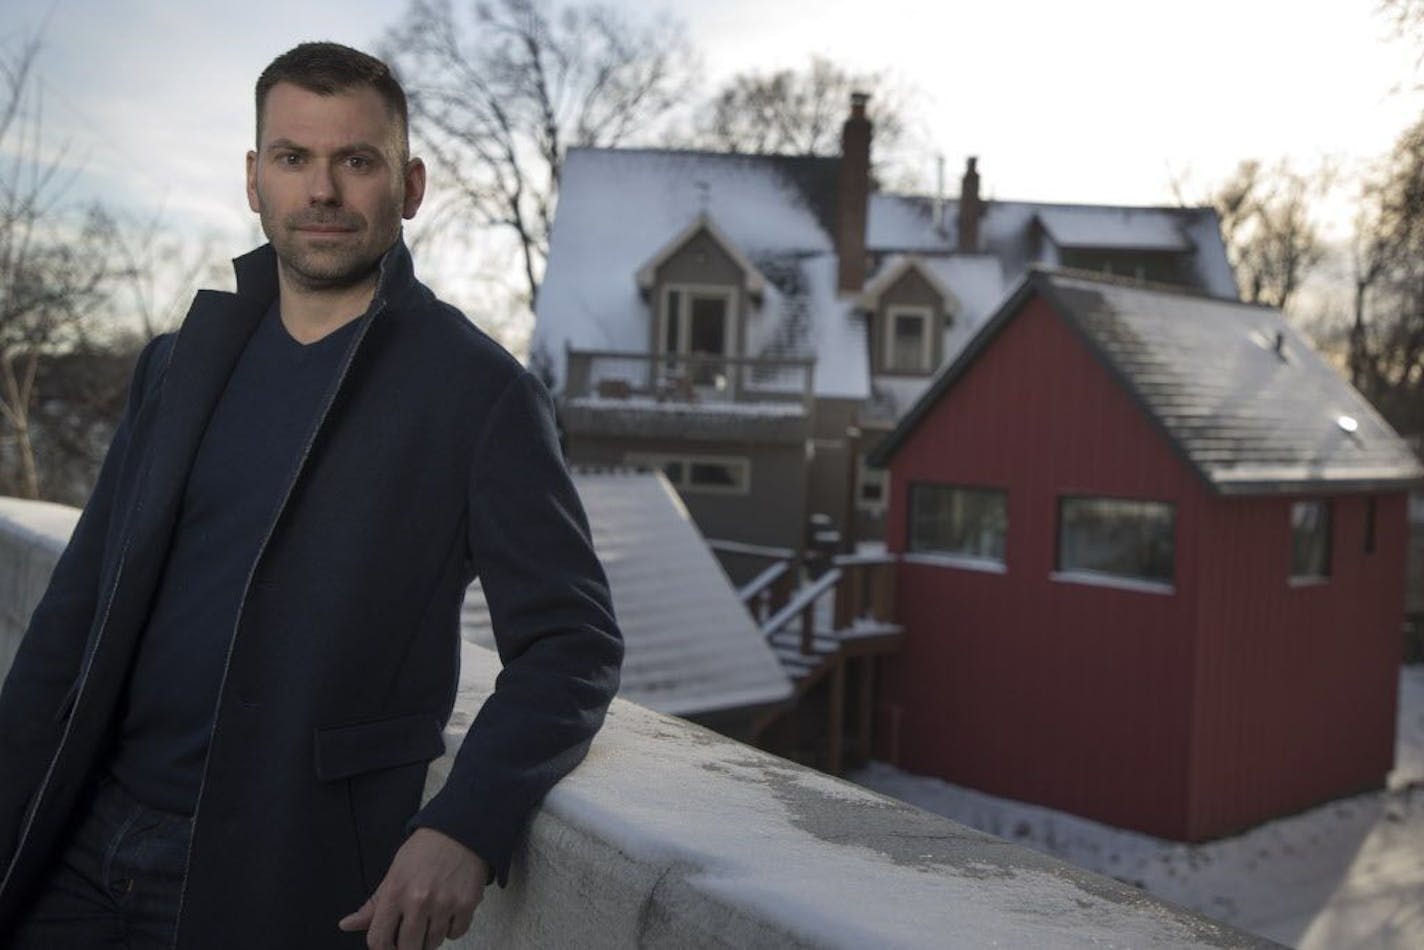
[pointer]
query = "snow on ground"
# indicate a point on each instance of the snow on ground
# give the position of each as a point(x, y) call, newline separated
point(1346, 874)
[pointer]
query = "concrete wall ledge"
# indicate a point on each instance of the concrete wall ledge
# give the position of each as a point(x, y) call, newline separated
point(670, 835)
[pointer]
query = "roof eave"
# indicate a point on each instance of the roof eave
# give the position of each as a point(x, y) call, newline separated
point(754, 281)
point(869, 298)
point(1258, 488)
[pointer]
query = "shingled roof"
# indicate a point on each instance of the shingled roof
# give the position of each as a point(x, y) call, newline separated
point(1233, 387)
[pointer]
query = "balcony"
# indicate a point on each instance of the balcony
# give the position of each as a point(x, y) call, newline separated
point(669, 835)
point(617, 393)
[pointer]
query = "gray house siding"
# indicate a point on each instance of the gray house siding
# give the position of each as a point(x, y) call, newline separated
point(771, 512)
point(832, 470)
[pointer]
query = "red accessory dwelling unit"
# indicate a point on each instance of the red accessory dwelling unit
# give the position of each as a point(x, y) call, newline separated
point(1152, 570)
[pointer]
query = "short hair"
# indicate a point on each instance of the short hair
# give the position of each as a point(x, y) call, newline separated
point(330, 68)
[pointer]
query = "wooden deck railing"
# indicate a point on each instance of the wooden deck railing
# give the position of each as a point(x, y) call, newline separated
point(706, 378)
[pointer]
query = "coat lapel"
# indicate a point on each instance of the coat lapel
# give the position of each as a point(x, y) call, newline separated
point(212, 338)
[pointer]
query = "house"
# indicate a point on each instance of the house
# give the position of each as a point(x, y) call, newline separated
point(1152, 563)
point(691, 648)
point(751, 325)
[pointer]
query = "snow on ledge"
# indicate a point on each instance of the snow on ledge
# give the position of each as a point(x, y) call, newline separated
point(670, 835)
point(1092, 579)
point(963, 562)
point(775, 408)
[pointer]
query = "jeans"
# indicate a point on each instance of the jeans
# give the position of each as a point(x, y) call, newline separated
point(115, 882)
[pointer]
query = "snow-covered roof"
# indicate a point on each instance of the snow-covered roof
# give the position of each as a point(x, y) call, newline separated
point(619, 208)
point(906, 224)
point(1240, 393)
point(894, 268)
point(980, 284)
point(1142, 229)
point(622, 210)
point(691, 646)
point(808, 319)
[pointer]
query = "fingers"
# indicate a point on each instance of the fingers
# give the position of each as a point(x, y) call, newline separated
point(361, 919)
point(418, 929)
point(437, 931)
point(382, 935)
point(412, 931)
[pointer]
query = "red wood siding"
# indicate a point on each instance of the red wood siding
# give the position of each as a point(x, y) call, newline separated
point(1061, 693)
point(1296, 686)
point(1230, 700)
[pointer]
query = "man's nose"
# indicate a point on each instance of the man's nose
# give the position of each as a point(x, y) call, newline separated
point(321, 184)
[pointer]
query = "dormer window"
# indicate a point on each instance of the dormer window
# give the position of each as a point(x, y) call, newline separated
point(908, 341)
point(696, 320)
point(699, 287)
point(908, 306)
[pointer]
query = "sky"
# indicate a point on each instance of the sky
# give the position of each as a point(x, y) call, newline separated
point(1101, 101)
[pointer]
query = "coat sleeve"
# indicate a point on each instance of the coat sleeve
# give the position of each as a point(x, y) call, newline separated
point(554, 628)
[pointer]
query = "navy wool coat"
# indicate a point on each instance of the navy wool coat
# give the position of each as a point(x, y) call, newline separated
point(433, 459)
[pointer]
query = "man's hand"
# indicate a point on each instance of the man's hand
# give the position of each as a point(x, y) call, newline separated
point(430, 893)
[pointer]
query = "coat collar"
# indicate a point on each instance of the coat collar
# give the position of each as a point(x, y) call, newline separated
point(205, 352)
point(257, 275)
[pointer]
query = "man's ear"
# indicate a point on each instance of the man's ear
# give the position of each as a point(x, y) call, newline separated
point(414, 181)
point(253, 201)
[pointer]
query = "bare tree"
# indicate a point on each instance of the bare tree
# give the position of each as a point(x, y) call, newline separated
point(53, 264)
point(498, 97)
point(1271, 241)
point(157, 273)
point(1386, 339)
point(84, 389)
point(796, 112)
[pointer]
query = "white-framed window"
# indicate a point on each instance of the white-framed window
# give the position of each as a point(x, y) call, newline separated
point(909, 341)
point(958, 521)
point(697, 320)
point(1117, 537)
point(705, 474)
point(1310, 540)
point(872, 488)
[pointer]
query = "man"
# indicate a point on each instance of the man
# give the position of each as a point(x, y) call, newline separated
point(217, 728)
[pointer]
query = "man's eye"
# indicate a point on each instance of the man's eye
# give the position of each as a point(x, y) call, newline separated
point(359, 162)
point(289, 158)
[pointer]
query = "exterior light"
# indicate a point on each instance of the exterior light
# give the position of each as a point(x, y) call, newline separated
point(1347, 423)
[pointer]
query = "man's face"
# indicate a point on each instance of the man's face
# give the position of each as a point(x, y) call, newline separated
point(331, 184)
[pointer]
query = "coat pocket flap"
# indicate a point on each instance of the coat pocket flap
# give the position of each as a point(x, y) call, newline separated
point(344, 751)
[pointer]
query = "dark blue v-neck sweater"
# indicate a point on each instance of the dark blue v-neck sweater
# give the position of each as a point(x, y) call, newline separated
point(244, 463)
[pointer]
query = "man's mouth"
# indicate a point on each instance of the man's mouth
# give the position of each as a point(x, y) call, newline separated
point(323, 226)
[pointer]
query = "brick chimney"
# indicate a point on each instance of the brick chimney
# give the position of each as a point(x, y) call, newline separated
point(970, 207)
point(852, 194)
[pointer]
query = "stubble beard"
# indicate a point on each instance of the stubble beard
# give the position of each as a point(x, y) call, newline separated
point(337, 265)
point(311, 267)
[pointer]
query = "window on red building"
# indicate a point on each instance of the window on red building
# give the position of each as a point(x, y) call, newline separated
point(1310, 540)
point(1117, 537)
point(962, 522)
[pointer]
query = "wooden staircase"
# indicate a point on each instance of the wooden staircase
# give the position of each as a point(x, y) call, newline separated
point(822, 632)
